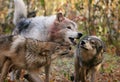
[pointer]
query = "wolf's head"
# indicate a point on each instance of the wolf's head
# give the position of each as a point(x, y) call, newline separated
point(90, 51)
point(91, 44)
point(64, 30)
point(90, 47)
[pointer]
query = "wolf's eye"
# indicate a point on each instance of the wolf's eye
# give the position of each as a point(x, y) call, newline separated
point(69, 27)
point(92, 42)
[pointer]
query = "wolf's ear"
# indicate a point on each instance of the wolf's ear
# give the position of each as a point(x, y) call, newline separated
point(60, 17)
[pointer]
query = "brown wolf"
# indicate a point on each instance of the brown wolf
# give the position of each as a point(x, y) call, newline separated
point(29, 54)
point(88, 58)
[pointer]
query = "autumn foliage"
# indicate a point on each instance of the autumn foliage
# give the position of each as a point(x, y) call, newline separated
point(94, 17)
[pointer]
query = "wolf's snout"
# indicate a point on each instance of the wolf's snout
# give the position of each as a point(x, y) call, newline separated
point(79, 35)
point(82, 42)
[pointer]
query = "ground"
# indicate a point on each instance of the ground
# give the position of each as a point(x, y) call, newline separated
point(62, 69)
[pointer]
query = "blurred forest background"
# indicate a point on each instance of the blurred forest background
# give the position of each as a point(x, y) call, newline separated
point(94, 17)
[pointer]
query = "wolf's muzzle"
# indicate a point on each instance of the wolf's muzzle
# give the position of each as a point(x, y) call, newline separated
point(82, 42)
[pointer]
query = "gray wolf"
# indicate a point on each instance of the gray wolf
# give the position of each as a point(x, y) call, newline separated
point(88, 58)
point(44, 28)
point(29, 54)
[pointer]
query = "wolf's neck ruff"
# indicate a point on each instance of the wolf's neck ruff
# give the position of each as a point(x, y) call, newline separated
point(92, 62)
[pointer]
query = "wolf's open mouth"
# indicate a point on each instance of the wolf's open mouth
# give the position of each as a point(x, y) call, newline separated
point(72, 40)
point(83, 47)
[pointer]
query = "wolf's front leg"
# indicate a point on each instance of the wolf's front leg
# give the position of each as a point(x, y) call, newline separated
point(77, 69)
point(47, 70)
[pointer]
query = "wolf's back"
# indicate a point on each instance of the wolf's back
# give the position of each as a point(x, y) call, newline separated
point(20, 11)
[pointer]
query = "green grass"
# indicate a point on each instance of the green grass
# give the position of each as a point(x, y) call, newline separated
point(110, 62)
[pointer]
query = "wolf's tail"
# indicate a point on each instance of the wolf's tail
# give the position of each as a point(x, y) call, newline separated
point(20, 11)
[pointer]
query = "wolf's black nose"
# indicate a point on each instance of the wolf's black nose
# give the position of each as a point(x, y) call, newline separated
point(79, 35)
point(82, 42)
